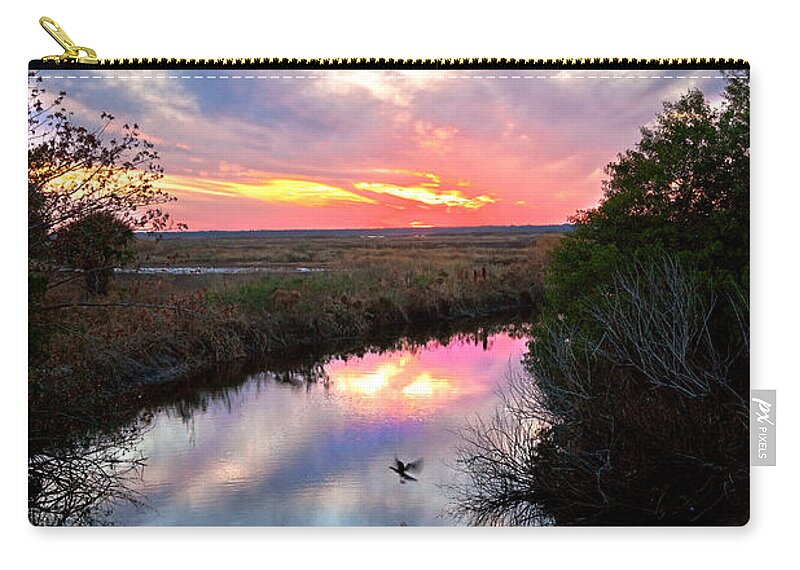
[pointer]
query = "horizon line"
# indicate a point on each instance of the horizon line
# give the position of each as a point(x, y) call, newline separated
point(404, 228)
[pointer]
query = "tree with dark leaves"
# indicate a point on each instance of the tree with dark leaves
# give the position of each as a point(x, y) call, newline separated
point(95, 183)
point(684, 189)
point(633, 405)
point(96, 244)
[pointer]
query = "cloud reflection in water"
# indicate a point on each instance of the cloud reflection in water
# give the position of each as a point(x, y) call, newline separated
point(268, 454)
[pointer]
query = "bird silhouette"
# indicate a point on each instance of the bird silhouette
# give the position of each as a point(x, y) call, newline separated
point(402, 469)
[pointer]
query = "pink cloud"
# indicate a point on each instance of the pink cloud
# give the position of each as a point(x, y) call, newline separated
point(391, 148)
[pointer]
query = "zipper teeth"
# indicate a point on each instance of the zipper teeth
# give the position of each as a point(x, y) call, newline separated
point(454, 63)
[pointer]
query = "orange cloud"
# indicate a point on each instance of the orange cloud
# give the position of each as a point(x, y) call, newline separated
point(426, 193)
point(298, 192)
point(433, 180)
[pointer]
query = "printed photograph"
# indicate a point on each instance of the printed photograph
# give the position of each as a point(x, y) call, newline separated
point(376, 297)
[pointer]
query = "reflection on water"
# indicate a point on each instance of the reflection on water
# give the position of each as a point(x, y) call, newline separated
point(312, 444)
point(82, 483)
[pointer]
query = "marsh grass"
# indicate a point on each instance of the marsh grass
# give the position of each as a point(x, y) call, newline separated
point(150, 328)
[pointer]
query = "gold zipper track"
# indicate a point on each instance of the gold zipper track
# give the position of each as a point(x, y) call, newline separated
point(391, 63)
point(76, 56)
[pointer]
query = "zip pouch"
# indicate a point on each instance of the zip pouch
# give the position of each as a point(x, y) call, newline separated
point(381, 292)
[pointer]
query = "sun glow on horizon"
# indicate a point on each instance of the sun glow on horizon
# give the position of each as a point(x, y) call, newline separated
point(398, 198)
point(379, 148)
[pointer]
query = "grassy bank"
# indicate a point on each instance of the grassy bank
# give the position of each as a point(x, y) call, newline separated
point(152, 328)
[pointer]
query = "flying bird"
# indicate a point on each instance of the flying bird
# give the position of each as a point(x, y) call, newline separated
point(402, 469)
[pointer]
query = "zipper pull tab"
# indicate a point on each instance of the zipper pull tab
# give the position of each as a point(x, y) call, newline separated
point(72, 52)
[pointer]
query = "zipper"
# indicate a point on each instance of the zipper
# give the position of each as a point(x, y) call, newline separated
point(76, 56)
point(72, 51)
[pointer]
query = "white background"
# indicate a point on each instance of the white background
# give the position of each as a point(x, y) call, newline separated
point(758, 32)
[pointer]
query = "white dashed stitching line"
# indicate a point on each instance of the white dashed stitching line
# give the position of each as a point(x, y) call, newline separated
point(312, 77)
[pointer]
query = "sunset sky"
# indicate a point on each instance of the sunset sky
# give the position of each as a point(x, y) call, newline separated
point(248, 150)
